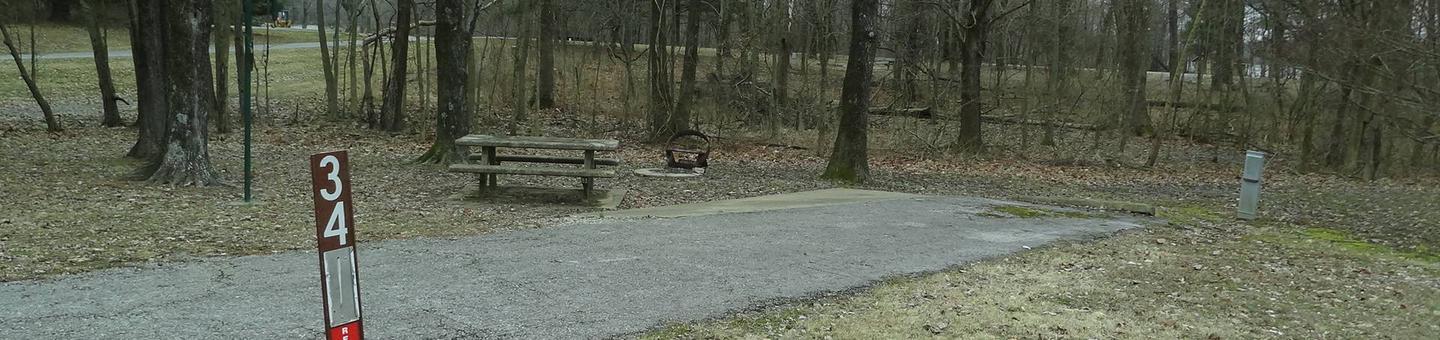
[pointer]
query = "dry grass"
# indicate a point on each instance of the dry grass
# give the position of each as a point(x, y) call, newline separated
point(1210, 279)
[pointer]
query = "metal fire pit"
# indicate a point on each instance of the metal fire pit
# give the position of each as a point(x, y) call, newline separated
point(675, 152)
point(683, 159)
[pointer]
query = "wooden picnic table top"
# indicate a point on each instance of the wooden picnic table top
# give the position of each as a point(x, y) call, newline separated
point(528, 142)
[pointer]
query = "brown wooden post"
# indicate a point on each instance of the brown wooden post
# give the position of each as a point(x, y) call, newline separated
point(490, 159)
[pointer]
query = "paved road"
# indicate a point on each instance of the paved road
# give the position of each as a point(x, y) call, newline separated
point(592, 278)
point(114, 54)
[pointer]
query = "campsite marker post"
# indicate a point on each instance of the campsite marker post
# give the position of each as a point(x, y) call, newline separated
point(335, 241)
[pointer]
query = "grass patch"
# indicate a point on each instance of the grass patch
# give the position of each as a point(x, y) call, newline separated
point(1021, 212)
point(1349, 241)
point(54, 38)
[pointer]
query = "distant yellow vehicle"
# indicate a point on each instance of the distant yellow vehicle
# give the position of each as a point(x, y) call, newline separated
point(282, 19)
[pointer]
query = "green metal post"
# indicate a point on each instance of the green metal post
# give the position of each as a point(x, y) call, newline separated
point(245, 64)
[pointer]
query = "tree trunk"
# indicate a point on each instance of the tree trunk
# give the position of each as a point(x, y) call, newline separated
point(827, 118)
point(371, 115)
point(304, 12)
point(1228, 30)
point(658, 120)
point(975, 29)
point(782, 60)
point(680, 121)
point(910, 45)
point(520, 122)
point(545, 87)
point(186, 54)
point(722, 38)
point(1059, 69)
point(51, 122)
point(111, 111)
point(1134, 53)
point(849, 161)
point(782, 72)
point(1335, 152)
point(222, 37)
point(353, 101)
point(146, 38)
point(392, 111)
point(453, 115)
point(1172, 32)
point(242, 60)
point(332, 93)
point(60, 10)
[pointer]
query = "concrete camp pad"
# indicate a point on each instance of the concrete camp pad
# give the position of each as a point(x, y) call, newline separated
point(607, 199)
point(591, 278)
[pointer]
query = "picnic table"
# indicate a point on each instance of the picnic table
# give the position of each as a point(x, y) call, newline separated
point(488, 160)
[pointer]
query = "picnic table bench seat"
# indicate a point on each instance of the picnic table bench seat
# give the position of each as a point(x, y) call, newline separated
point(546, 159)
point(528, 170)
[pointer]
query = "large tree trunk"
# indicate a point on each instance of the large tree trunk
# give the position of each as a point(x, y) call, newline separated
point(453, 117)
point(849, 161)
point(111, 111)
point(975, 29)
point(392, 111)
point(680, 121)
point(1134, 53)
point(1228, 29)
point(186, 54)
point(332, 91)
point(545, 87)
point(658, 112)
point(51, 122)
point(61, 10)
point(146, 41)
point(1335, 151)
point(222, 37)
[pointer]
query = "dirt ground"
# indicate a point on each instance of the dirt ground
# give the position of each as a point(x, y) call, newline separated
point(1331, 257)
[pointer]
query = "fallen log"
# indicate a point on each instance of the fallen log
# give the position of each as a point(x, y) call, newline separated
point(927, 113)
point(389, 31)
point(1187, 105)
point(912, 112)
point(1012, 120)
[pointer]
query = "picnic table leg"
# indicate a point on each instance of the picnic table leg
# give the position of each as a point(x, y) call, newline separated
point(484, 178)
point(490, 160)
point(589, 182)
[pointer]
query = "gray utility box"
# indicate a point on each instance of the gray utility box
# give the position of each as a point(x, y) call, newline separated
point(1250, 184)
